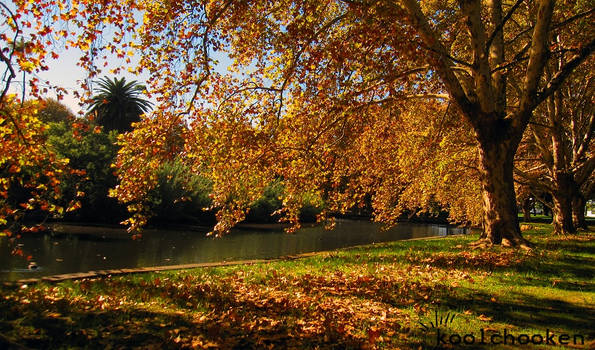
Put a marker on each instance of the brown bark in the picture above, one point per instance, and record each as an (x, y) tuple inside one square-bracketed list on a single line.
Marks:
[(578, 212), (527, 205), (501, 224), (483, 103), (496, 52), (562, 215), (547, 211), (563, 183)]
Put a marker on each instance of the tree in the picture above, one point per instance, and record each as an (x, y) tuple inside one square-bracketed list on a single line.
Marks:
[(117, 104), (31, 171), (93, 152), (53, 110), (556, 156), (498, 117), (320, 70), (308, 76), (579, 203)]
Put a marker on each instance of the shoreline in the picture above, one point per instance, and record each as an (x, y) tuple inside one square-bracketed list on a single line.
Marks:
[(99, 229), (180, 267), (367, 296)]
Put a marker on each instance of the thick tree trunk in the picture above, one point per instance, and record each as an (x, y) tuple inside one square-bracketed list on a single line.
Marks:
[(527, 204), (562, 215), (578, 212), (501, 224)]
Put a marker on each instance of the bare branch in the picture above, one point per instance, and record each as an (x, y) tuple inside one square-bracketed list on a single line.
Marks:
[(205, 54), (573, 18), (446, 55), (444, 63), (554, 26), (537, 59), (534, 182), (8, 59), (564, 72), (500, 26)]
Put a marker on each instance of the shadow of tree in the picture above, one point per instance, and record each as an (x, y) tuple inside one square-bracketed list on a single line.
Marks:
[(559, 270), (142, 329), (573, 246), (230, 321), (528, 312), (230, 311)]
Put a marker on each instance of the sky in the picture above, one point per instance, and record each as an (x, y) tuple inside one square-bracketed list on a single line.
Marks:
[(65, 73)]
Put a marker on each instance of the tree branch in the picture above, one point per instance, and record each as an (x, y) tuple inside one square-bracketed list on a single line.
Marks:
[(573, 18), (481, 65), (8, 59), (531, 181), (537, 59), (586, 140), (205, 53), (443, 65), (563, 73), (501, 24)]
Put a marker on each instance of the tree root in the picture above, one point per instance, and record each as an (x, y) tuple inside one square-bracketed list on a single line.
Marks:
[(522, 244), (484, 243)]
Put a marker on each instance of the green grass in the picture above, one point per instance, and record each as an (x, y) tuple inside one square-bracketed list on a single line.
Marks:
[(365, 297), (536, 216)]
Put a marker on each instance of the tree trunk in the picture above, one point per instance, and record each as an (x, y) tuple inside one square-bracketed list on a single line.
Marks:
[(562, 196), (501, 223), (527, 204), (562, 216), (578, 212)]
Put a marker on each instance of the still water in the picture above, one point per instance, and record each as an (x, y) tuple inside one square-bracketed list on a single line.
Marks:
[(112, 249)]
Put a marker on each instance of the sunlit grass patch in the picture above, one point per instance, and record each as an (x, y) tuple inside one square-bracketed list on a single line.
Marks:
[(368, 296)]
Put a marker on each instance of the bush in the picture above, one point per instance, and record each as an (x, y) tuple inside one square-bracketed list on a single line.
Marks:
[(262, 210), (181, 196), (93, 152)]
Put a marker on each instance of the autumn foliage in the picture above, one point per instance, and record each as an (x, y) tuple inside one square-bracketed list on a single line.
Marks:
[(31, 172), (405, 107)]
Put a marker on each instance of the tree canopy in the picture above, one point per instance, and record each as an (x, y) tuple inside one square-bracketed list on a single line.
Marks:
[(310, 79), (403, 104), (117, 104)]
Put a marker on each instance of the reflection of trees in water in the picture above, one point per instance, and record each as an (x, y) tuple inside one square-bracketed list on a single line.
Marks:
[(80, 253)]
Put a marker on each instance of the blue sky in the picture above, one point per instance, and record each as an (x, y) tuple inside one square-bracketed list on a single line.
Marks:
[(65, 73)]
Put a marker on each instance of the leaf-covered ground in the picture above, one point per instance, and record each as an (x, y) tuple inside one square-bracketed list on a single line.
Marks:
[(375, 296)]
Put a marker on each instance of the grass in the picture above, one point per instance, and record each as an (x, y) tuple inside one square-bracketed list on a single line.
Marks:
[(375, 296)]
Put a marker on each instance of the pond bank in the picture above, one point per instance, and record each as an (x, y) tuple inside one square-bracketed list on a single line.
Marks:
[(116, 272), (80, 249), (375, 296)]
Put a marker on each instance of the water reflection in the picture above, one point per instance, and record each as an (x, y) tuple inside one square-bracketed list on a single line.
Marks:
[(65, 253)]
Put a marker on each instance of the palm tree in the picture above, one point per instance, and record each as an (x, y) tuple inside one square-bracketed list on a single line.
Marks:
[(117, 104)]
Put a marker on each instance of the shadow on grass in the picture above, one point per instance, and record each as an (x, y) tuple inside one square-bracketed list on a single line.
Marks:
[(230, 322), (141, 329), (572, 246), (241, 315), (527, 311), (47, 329)]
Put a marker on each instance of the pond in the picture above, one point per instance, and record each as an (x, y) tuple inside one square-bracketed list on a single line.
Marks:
[(104, 248)]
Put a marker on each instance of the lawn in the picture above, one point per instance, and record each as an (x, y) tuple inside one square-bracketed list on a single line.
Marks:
[(407, 294)]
